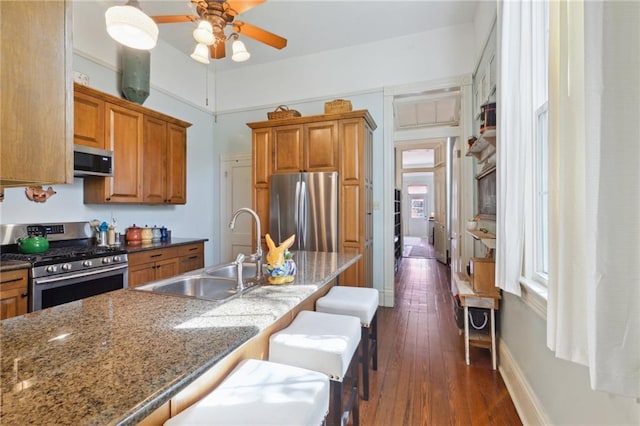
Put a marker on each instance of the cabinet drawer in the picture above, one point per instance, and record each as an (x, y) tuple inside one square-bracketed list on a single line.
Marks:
[(191, 249), (152, 256)]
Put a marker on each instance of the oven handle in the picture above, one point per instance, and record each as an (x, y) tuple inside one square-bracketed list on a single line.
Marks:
[(80, 275)]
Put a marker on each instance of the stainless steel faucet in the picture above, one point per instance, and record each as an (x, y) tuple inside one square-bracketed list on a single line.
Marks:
[(257, 256)]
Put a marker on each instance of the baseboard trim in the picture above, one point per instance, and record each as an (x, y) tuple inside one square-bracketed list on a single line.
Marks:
[(527, 405), (386, 298)]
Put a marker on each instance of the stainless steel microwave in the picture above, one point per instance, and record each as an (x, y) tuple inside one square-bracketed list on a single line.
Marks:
[(89, 161)]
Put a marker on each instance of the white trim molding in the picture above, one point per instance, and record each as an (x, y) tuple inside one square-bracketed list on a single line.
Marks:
[(529, 409)]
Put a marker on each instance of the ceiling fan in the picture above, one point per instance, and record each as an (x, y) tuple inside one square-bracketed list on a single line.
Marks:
[(213, 16)]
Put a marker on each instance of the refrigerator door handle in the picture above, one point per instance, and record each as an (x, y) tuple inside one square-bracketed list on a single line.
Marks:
[(303, 215), (296, 213)]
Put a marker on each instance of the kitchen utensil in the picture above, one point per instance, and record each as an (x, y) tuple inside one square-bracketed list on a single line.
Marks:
[(147, 234), (33, 244), (157, 234), (134, 234)]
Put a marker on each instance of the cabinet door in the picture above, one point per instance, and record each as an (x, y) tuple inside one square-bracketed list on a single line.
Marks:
[(36, 134), (287, 149), (13, 293), (88, 120), (321, 147), (261, 141), (124, 138), (155, 162), (261, 207), (167, 268), (176, 179), (141, 274)]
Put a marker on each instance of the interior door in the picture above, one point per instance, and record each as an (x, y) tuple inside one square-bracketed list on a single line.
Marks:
[(235, 190), (440, 216)]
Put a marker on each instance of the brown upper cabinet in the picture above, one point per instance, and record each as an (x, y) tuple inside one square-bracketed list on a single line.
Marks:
[(339, 142), (311, 147), (36, 144), (149, 150)]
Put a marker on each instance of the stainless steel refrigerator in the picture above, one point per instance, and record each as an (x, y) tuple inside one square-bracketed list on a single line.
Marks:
[(305, 204)]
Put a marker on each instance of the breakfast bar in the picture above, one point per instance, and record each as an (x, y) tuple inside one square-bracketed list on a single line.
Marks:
[(119, 357)]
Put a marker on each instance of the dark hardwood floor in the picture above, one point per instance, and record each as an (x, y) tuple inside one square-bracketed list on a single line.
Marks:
[(422, 378)]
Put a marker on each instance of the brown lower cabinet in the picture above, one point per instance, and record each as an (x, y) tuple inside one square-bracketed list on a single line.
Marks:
[(13, 293), (151, 265)]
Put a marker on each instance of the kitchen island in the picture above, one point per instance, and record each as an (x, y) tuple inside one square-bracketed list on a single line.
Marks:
[(118, 357)]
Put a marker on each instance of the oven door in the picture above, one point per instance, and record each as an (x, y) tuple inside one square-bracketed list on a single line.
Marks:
[(52, 291)]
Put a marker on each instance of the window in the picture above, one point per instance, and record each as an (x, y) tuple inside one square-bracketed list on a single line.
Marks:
[(537, 221), (417, 208)]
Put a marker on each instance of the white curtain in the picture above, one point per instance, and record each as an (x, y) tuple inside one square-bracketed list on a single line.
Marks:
[(515, 133), (594, 217)]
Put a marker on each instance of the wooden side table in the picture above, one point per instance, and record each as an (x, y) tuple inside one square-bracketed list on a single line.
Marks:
[(469, 298)]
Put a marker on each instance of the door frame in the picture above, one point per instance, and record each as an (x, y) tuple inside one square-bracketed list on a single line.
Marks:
[(226, 184), (390, 137)]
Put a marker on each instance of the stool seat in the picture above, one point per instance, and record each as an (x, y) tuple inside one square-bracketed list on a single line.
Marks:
[(361, 302), (262, 393), (317, 341), (357, 301)]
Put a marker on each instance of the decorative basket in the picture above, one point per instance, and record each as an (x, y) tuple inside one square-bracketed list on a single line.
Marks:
[(281, 112), (339, 105)]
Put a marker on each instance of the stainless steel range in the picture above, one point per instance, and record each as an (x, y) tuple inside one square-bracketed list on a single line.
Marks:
[(74, 266)]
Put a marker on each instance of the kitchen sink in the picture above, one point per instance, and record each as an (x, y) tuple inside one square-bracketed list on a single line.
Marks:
[(217, 283), (228, 270), (205, 287)]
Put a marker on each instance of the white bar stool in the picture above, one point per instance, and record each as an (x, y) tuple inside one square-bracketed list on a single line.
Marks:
[(325, 343), (262, 393), (362, 303)]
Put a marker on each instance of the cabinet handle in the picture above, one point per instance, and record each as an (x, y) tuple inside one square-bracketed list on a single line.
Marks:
[(192, 257), (12, 280), (193, 248), (23, 295), (156, 255), (108, 199)]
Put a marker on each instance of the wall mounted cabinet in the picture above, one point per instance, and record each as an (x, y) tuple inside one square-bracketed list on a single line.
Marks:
[(149, 150), (339, 142), (36, 144)]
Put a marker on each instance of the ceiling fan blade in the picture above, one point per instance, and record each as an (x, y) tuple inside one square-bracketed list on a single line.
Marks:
[(243, 5), (169, 19), (259, 34), (217, 51)]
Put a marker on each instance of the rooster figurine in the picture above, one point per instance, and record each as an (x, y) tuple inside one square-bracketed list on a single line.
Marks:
[(280, 264), (37, 194)]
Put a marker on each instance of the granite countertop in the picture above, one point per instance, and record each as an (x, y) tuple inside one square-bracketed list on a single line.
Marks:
[(12, 265), (114, 358)]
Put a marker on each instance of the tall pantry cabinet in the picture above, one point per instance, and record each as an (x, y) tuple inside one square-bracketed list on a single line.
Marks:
[(340, 142)]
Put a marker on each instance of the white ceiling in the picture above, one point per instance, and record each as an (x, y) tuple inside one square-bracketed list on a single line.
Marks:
[(314, 26)]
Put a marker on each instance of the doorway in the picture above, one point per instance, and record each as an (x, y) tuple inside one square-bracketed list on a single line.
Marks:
[(417, 218), (417, 114)]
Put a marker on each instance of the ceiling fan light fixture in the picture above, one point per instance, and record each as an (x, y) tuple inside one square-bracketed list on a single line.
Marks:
[(204, 33), (240, 53), (130, 26), (201, 53)]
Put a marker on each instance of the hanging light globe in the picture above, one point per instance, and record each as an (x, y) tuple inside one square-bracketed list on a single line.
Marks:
[(130, 26)]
